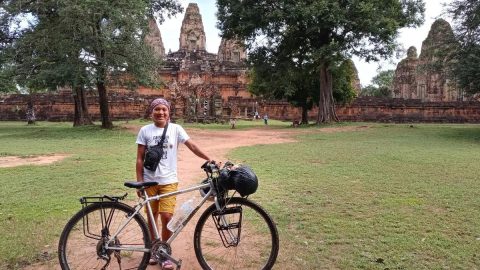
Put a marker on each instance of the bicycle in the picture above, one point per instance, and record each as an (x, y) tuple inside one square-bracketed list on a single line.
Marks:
[(232, 233)]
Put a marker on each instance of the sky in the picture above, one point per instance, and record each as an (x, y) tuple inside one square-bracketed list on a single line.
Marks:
[(170, 30)]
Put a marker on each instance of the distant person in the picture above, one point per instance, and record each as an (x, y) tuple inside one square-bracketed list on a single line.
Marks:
[(233, 122), (256, 116), (265, 119), (164, 170)]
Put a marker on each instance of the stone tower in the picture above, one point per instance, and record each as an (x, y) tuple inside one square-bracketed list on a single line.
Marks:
[(435, 62), (405, 78), (192, 35), (429, 77), (355, 80), (154, 39), (231, 50)]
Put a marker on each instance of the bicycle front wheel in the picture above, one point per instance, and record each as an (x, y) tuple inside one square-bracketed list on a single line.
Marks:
[(241, 236), (83, 241)]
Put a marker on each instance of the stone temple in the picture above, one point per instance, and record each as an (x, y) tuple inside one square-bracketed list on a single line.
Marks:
[(203, 85), (429, 77)]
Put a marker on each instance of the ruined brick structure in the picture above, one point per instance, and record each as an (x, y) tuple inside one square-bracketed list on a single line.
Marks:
[(206, 86), (428, 77), (200, 84), (132, 105)]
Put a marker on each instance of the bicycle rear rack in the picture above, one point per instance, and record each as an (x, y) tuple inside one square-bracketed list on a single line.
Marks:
[(99, 199), (104, 217), (227, 221)]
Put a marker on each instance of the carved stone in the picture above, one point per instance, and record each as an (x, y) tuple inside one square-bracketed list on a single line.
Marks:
[(231, 50), (429, 76), (200, 83), (192, 35), (154, 39), (405, 81)]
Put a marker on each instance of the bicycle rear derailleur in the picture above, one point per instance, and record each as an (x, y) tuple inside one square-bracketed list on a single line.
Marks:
[(162, 251), (105, 254)]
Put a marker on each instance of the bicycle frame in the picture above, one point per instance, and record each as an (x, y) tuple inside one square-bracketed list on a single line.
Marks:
[(147, 201)]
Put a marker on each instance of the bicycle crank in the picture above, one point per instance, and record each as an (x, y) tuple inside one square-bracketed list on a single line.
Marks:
[(162, 251)]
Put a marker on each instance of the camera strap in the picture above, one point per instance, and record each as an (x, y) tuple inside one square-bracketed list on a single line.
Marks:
[(163, 135)]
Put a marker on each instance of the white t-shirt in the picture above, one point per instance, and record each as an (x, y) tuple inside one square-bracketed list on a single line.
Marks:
[(150, 135)]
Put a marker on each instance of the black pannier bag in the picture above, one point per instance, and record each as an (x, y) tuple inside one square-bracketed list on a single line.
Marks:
[(241, 178)]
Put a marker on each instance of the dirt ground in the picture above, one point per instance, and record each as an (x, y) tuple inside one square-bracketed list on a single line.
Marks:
[(12, 161), (216, 144)]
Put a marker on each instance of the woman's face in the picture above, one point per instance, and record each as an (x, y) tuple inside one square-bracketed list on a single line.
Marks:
[(160, 115)]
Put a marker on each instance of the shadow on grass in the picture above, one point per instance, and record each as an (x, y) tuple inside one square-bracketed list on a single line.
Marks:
[(51, 132), (470, 134)]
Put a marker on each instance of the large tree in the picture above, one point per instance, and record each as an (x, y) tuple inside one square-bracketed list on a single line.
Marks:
[(280, 77), (7, 35), (323, 32), (93, 42), (466, 18)]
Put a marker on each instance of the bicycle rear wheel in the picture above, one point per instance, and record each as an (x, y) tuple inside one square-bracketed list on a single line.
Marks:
[(82, 241), (241, 236)]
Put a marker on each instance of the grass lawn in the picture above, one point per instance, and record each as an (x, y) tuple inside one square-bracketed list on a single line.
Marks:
[(384, 197)]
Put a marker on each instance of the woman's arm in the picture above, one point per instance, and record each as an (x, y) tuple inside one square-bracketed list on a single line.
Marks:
[(194, 148), (139, 164)]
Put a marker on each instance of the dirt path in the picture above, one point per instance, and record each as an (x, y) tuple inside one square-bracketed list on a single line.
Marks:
[(13, 161), (216, 144)]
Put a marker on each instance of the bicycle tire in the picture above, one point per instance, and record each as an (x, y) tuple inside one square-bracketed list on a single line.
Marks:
[(77, 251), (258, 239)]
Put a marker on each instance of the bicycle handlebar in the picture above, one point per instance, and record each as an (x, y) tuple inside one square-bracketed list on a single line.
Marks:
[(209, 167)]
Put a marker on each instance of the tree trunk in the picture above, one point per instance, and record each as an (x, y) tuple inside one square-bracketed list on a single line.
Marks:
[(81, 117), (326, 104), (30, 114), (103, 102), (304, 114)]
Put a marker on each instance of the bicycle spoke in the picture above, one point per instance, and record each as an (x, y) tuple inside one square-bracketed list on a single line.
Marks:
[(77, 251), (256, 248)]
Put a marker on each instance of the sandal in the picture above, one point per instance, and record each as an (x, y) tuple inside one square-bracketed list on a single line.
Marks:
[(152, 262), (167, 265)]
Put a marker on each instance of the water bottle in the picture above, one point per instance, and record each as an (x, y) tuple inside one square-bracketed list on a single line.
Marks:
[(181, 214)]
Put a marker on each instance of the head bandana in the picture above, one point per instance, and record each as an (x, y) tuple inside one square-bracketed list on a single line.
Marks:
[(156, 102)]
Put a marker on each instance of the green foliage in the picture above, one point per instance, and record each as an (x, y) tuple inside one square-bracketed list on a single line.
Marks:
[(87, 44), (467, 69), (382, 85), (7, 85), (388, 192), (465, 14), (282, 77), (321, 33), (344, 77), (80, 43), (384, 197)]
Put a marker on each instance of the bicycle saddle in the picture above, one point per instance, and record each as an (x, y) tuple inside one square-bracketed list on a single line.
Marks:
[(137, 185)]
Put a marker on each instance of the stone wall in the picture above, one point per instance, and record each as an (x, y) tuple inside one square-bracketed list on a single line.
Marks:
[(131, 105), (60, 107), (410, 110)]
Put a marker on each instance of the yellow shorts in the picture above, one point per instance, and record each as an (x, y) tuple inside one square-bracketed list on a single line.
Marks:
[(166, 204)]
